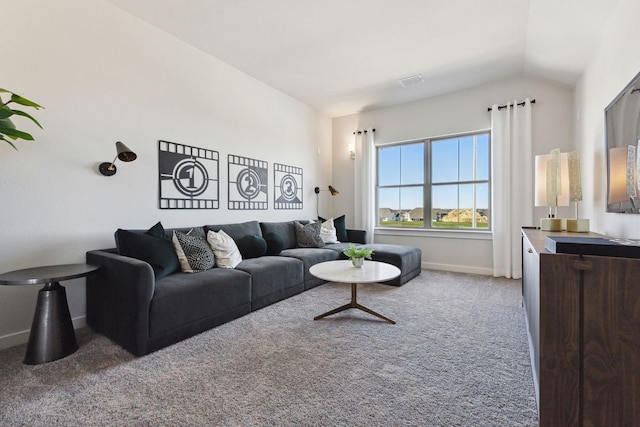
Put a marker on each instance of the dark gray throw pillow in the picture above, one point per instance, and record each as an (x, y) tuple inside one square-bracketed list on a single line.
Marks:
[(151, 247), (275, 243), (308, 236), (252, 246)]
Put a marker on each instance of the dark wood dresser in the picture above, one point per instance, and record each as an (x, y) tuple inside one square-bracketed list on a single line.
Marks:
[(583, 323)]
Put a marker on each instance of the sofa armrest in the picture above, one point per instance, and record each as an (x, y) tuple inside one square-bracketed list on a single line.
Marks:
[(357, 236), (118, 298)]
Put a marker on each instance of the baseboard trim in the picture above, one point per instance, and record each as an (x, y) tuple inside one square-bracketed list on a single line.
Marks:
[(457, 268), (21, 337)]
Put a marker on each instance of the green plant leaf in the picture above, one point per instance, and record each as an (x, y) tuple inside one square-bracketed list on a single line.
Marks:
[(23, 114), (24, 101), (15, 134), (8, 142), (5, 112), (7, 123)]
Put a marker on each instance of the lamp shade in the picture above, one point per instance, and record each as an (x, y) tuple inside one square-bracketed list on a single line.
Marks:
[(124, 153), (552, 180), (575, 184)]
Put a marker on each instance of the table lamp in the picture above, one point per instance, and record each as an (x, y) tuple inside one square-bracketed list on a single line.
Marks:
[(549, 186)]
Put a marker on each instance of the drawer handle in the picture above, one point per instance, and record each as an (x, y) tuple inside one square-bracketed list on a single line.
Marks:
[(530, 250), (582, 265)]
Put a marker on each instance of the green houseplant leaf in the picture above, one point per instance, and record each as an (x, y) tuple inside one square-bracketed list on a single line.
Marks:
[(357, 252), (7, 127)]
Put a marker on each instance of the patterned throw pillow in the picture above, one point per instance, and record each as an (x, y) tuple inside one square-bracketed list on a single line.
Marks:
[(194, 254), (224, 248), (308, 236)]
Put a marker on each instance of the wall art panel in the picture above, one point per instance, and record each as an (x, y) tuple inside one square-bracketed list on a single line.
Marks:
[(188, 177), (248, 180), (288, 187)]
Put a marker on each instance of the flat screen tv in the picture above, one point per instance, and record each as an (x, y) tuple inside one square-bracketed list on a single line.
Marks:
[(622, 139)]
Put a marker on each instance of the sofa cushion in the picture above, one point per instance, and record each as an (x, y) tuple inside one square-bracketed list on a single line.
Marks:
[(310, 257), (286, 230), (252, 246), (184, 298), (341, 227), (275, 244), (224, 248), (408, 259), (272, 275), (150, 246), (308, 236), (237, 230), (194, 253)]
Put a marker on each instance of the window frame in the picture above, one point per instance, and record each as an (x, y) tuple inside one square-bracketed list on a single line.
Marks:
[(428, 184)]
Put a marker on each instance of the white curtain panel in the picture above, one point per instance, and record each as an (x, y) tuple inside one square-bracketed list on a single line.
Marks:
[(364, 183), (512, 182)]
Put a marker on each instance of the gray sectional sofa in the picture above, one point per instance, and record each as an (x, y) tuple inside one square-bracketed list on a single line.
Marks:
[(133, 304)]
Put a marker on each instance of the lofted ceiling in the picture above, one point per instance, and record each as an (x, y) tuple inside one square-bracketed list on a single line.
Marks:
[(346, 56)]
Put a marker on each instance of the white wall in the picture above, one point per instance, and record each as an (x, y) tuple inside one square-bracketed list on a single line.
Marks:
[(104, 76), (452, 113), (611, 68)]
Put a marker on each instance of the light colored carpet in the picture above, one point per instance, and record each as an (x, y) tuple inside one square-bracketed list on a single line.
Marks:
[(458, 356)]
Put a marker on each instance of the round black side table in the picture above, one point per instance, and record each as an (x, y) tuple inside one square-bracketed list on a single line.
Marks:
[(52, 336)]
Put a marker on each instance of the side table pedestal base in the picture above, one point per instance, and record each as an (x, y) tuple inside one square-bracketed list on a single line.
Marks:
[(52, 336)]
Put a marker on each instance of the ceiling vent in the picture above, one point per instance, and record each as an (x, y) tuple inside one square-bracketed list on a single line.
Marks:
[(413, 80)]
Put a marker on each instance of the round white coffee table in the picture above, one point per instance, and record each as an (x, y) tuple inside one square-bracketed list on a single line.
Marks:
[(345, 272)]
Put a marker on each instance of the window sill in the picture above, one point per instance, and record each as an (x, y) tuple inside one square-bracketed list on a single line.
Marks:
[(438, 234)]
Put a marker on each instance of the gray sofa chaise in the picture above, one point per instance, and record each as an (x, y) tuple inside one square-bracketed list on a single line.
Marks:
[(133, 304)]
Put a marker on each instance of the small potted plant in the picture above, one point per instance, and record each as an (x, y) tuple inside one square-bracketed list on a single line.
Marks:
[(357, 254)]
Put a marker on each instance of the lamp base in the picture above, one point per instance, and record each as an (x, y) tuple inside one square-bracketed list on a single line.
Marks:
[(107, 169), (577, 225), (551, 224)]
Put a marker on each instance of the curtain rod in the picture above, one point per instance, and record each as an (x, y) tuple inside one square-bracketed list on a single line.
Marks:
[(500, 107), (361, 131)]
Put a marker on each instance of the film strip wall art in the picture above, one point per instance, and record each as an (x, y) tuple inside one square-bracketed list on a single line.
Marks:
[(248, 181), (288, 187), (188, 177)]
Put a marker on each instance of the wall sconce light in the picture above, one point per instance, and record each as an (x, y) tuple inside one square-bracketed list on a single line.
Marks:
[(330, 189), (352, 151), (123, 153), (622, 175), (552, 187)]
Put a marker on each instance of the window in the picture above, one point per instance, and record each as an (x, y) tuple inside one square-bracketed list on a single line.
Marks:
[(448, 178)]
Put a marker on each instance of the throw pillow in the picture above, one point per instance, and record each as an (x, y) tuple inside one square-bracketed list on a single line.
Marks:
[(157, 251), (252, 246), (224, 248), (275, 243), (328, 232), (193, 252), (341, 228), (308, 236)]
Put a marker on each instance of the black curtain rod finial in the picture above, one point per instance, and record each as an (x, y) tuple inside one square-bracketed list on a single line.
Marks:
[(502, 107), (360, 132)]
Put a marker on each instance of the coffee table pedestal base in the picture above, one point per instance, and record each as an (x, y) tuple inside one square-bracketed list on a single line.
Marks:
[(354, 304)]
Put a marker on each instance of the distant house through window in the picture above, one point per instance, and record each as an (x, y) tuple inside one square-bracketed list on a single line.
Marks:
[(448, 178)]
